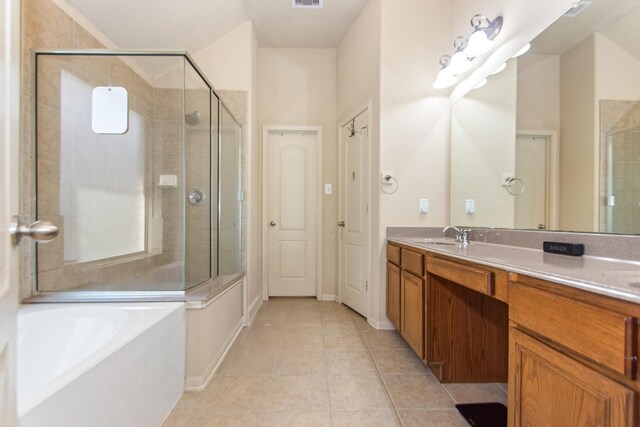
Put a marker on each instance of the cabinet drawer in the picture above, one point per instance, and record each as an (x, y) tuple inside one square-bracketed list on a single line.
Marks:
[(393, 253), (412, 261), (606, 337), (473, 278)]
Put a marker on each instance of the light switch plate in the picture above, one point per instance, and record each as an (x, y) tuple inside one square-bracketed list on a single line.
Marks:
[(470, 206), (424, 206), (328, 189)]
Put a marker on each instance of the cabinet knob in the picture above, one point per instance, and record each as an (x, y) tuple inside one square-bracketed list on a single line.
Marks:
[(341, 224)]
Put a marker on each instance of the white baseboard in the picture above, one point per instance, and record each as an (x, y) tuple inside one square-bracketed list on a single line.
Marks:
[(200, 382), (328, 297), (253, 310), (381, 324)]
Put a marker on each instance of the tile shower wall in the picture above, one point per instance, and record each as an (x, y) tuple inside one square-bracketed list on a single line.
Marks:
[(620, 166), (156, 120)]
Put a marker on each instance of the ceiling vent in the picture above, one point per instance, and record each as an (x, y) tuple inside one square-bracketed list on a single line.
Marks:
[(307, 4), (578, 8)]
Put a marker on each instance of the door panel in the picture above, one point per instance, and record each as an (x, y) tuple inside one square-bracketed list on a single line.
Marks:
[(354, 183), (412, 311), (393, 294), (9, 134), (531, 159), (292, 204)]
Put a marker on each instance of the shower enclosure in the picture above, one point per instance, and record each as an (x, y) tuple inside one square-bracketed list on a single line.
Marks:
[(138, 163), (620, 166)]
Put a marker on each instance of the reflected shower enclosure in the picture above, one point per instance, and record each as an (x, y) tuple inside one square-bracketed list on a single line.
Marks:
[(620, 167), (138, 210)]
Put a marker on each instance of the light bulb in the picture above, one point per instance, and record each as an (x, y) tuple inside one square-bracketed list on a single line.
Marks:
[(444, 80), (459, 64), (478, 44), (499, 69), (481, 84), (522, 51)]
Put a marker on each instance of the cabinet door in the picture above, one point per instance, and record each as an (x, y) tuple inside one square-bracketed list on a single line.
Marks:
[(393, 294), (412, 311), (548, 388)]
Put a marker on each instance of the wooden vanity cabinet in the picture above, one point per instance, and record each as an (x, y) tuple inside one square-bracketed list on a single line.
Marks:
[(572, 355), (412, 311), (393, 294), (466, 324), (406, 295)]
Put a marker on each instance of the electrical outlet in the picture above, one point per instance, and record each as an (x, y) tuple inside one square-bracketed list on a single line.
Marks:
[(424, 206), (470, 206)]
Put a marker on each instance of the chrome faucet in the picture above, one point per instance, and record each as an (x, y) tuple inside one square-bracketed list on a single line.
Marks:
[(462, 234)]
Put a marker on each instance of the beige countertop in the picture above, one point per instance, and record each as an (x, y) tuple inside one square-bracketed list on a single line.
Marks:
[(611, 277)]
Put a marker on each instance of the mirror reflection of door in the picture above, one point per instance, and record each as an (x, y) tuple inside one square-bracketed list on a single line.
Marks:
[(531, 168)]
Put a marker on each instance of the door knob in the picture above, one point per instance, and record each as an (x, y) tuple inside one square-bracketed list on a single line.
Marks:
[(272, 223), (40, 231), (341, 224)]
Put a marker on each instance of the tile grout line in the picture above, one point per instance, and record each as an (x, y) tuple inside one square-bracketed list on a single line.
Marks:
[(395, 408)]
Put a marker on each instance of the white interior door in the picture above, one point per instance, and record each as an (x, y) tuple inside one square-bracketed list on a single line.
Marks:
[(531, 168), (9, 125), (292, 194), (354, 215)]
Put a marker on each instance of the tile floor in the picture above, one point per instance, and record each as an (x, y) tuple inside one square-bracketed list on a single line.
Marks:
[(310, 363)]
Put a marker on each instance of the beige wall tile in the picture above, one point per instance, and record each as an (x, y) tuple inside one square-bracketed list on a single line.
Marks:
[(47, 25), (56, 280)]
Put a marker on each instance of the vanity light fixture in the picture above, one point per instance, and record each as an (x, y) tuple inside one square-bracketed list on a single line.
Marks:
[(459, 63), (445, 78), (481, 84), (484, 31), (499, 69), (522, 51)]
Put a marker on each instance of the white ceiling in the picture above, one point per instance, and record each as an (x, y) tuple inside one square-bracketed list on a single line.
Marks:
[(193, 24), (616, 19), (163, 24), (279, 25)]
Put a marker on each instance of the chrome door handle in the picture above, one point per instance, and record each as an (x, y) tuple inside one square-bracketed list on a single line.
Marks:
[(273, 223), (40, 231), (341, 224)]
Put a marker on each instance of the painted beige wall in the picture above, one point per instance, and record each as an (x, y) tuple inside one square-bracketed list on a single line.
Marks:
[(414, 122), (231, 63), (298, 87), (483, 130), (538, 103), (577, 152)]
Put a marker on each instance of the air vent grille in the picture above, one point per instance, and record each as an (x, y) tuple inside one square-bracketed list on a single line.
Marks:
[(578, 8), (307, 4)]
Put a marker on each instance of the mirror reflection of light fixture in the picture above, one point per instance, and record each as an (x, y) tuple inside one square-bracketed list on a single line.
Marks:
[(481, 84), (445, 78), (484, 31), (522, 51), (499, 69), (459, 63)]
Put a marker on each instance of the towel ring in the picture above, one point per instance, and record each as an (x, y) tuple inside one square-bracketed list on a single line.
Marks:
[(509, 182)]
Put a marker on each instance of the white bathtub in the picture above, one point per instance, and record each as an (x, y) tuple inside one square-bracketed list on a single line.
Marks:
[(100, 364)]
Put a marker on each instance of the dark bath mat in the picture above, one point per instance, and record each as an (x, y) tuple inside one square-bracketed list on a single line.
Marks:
[(484, 414)]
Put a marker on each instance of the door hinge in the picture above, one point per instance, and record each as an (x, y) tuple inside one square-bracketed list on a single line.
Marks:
[(366, 208), (366, 285), (366, 130)]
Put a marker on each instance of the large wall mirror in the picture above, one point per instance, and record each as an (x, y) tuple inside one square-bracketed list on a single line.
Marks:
[(553, 140)]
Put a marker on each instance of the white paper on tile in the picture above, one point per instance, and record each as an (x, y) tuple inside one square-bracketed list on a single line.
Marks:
[(109, 110)]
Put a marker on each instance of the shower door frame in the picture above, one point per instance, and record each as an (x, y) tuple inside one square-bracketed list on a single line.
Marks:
[(126, 296)]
